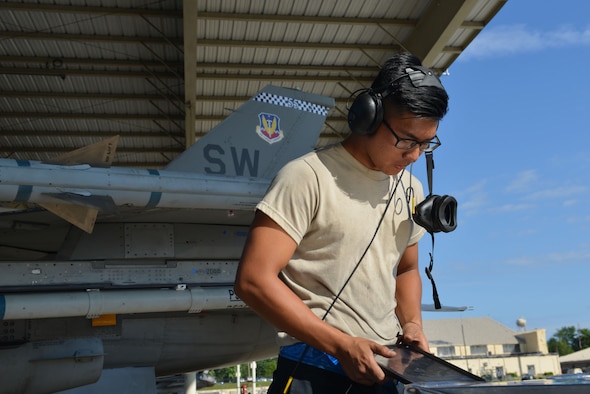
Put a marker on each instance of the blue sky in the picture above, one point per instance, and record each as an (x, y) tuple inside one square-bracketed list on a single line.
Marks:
[(515, 156)]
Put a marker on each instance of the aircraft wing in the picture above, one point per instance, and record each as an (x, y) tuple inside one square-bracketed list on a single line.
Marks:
[(445, 308)]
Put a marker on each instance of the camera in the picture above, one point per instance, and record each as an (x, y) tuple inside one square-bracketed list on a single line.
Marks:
[(437, 213)]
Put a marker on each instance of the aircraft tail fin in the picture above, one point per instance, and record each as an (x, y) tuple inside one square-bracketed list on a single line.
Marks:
[(272, 128)]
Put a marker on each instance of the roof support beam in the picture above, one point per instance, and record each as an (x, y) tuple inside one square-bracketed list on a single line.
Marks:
[(64, 149), (79, 115), (64, 73), (299, 19), (437, 25), (189, 9), (163, 13), (72, 9), (85, 38), (96, 96), (328, 46), (49, 63), (99, 135)]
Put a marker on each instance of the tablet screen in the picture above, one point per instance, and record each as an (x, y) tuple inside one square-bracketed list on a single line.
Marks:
[(412, 365)]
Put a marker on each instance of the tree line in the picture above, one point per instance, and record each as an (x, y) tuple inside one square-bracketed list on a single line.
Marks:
[(264, 369), (569, 340)]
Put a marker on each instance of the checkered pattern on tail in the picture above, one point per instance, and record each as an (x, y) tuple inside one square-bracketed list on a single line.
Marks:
[(291, 103)]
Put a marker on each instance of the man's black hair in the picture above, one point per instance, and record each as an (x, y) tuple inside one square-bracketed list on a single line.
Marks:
[(424, 101)]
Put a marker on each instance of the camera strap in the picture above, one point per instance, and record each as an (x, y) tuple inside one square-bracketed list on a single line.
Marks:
[(429, 167), (428, 271)]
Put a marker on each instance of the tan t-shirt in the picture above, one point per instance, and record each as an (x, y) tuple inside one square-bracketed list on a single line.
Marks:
[(331, 204)]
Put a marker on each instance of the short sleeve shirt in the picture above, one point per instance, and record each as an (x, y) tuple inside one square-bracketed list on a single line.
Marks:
[(351, 225)]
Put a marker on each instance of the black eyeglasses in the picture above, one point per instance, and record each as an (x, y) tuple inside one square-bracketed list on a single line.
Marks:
[(408, 143)]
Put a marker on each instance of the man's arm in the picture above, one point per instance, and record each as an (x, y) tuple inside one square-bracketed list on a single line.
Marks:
[(408, 294), (267, 251)]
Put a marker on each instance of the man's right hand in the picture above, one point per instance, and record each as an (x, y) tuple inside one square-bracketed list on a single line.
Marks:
[(357, 359)]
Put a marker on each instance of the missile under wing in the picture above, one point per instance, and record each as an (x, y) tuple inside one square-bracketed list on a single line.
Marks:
[(106, 270)]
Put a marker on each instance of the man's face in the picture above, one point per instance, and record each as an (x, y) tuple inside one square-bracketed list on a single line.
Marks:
[(381, 150)]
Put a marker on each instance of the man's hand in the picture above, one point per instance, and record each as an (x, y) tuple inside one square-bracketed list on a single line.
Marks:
[(357, 359), (412, 333)]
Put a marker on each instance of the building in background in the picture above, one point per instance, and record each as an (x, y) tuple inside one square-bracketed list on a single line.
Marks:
[(491, 350), (576, 362)]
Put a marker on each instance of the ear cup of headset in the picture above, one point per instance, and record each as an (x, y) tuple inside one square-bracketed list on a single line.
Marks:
[(437, 213), (365, 114)]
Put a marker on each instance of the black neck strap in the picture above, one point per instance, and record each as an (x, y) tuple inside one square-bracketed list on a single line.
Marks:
[(428, 271), (429, 168)]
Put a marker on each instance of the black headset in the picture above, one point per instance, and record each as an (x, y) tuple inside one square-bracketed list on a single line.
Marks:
[(365, 114), (435, 213)]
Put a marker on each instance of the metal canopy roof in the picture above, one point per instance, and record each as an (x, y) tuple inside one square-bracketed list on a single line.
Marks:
[(71, 75)]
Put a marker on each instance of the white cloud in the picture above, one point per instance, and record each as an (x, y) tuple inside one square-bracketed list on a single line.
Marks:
[(527, 232), (570, 203), (522, 260), (534, 187), (523, 182), (578, 219), (509, 39), (474, 198), (560, 192), (573, 257), (509, 208)]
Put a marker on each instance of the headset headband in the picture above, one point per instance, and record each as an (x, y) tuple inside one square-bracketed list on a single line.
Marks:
[(366, 112), (419, 76)]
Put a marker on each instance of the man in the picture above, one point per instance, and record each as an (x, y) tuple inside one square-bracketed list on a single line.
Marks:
[(331, 259)]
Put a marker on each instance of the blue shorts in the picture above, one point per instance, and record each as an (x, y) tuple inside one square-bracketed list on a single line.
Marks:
[(317, 373)]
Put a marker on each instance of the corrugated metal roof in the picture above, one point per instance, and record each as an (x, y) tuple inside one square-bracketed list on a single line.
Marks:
[(467, 332), (71, 75)]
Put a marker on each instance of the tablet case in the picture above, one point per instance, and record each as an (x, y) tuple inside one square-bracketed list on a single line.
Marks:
[(413, 365)]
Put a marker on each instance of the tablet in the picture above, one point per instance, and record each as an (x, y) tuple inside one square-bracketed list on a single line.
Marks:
[(413, 365)]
